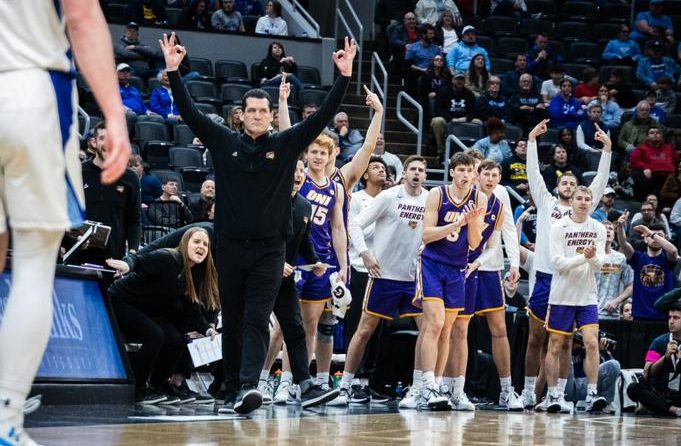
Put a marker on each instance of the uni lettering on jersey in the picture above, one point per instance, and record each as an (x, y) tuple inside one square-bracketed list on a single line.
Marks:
[(318, 198)]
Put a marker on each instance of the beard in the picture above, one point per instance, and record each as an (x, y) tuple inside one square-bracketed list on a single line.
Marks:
[(564, 196)]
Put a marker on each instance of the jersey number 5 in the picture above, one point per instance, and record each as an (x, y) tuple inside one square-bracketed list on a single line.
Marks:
[(319, 214)]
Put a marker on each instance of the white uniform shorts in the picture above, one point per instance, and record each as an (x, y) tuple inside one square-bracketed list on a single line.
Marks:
[(41, 185)]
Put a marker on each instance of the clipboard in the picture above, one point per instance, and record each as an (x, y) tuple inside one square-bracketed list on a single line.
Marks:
[(90, 231)]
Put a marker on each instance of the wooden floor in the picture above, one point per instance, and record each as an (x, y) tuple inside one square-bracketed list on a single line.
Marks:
[(340, 428)]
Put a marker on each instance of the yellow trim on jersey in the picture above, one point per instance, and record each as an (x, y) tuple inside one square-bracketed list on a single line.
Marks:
[(453, 310), (321, 186), (410, 315), (433, 299), (465, 316), (439, 206), (367, 292), (587, 325), (535, 317), (311, 301), (338, 172), (499, 214), (560, 332), (378, 315), (489, 310), (465, 199)]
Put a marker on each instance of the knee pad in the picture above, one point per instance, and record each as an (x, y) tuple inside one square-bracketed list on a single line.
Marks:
[(325, 332)]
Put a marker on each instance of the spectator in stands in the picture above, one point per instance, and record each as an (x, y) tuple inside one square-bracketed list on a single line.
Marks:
[(445, 34), (429, 11), (249, 7), (516, 9), (135, 108), (436, 77), (150, 185), (666, 98), (185, 68), (646, 20), (272, 23), (492, 104), (526, 106), (560, 165), (196, 16), (161, 300), (228, 18), (147, 12), (585, 134), (139, 56), (607, 205), (200, 206), (540, 57), (169, 210), (671, 189), (587, 90), (476, 80), (622, 50), (390, 12), (651, 162), (515, 168), (567, 139), (401, 36), (391, 160), (513, 299), (116, 205), (653, 268), (656, 112), (459, 58), (615, 279), (494, 147), (564, 109), (236, 118), (419, 56), (654, 65), (308, 109), (525, 216), (161, 101), (620, 90), (550, 88), (625, 312), (453, 103), (656, 216), (635, 131), (274, 64), (611, 114), (510, 81), (350, 140)]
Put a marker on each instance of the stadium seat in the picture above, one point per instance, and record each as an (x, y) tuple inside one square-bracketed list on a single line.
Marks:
[(173, 15), (249, 23), (486, 42), (274, 93), (575, 69), (180, 157), (547, 8), (115, 12), (255, 68), (231, 71), (151, 233), (313, 97), (152, 84), (500, 66), (572, 31), (513, 133), (501, 26), (557, 47), (674, 120), (532, 27), (233, 93), (182, 134), (206, 107), (150, 131), (627, 72), (193, 177), (156, 154), (467, 132), (511, 46), (616, 12), (201, 89), (585, 52), (604, 32), (551, 136), (309, 76), (202, 66), (579, 10), (208, 164), (138, 83)]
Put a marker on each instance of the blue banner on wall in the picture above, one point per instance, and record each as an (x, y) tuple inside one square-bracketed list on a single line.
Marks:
[(82, 343)]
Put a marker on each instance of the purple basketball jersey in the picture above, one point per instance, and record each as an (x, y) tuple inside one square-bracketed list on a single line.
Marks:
[(323, 200), (495, 209), (453, 249)]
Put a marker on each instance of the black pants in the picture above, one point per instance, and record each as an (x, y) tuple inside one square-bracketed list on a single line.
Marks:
[(162, 344), (642, 393), (287, 311), (644, 186), (367, 365), (250, 273)]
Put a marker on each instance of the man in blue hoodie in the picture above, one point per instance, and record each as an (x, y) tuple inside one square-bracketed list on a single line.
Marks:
[(459, 58), (654, 65), (564, 109)]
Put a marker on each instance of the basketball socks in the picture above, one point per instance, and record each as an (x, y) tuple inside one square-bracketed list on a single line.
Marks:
[(264, 375), (505, 383), (323, 378), (530, 384), (591, 389), (286, 376), (448, 381), (416, 377), (428, 379), (562, 382), (346, 381), (458, 384)]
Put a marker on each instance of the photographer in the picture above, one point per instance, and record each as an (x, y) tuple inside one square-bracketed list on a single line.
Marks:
[(608, 370), (659, 389)]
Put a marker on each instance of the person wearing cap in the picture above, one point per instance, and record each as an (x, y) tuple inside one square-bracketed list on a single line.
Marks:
[(147, 12), (646, 20), (607, 205), (135, 108), (144, 60), (453, 103), (459, 58), (565, 110), (656, 112), (428, 11), (622, 50), (540, 57), (585, 135), (653, 66), (651, 162)]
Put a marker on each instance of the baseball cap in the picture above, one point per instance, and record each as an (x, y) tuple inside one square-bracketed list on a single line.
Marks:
[(459, 74), (655, 45), (609, 191), (468, 29), (123, 67), (132, 25)]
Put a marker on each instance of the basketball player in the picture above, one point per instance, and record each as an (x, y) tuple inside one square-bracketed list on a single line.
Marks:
[(398, 217), (42, 192), (577, 253), (453, 223), (549, 210), (484, 294)]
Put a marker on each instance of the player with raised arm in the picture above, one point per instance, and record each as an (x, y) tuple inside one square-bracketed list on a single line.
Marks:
[(549, 210), (43, 193)]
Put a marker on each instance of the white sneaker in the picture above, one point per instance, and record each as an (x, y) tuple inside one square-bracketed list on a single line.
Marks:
[(609, 409), (511, 400), (265, 388), (541, 407), (528, 398), (342, 400), (461, 402), (409, 400), (566, 406), (553, 403), (294, 395), (12, 432), (595, 402), (282, 392), (431, 399)]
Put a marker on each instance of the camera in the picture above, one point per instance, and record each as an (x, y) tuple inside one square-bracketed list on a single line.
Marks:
[(611, 342)]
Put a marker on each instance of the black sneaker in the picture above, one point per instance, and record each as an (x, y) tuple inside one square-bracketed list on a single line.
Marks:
[(249, 399), (359, 394), (150, 397), (203, 398), (182, 392), (315, 396), (376, 397), (228, 406)]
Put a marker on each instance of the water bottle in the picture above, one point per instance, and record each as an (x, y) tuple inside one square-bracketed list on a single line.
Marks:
[(398, 390), (277, 381), (337, 377)]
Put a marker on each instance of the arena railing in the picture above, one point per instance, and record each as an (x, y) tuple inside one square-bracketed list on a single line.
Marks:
[(358, 36), (302, 12), (448, 154), (380, 89), (86, 123)]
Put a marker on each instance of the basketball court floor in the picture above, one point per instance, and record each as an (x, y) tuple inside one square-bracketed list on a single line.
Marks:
[(103, 425)]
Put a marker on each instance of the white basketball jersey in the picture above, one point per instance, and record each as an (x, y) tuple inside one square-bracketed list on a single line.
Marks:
[(32, 36)]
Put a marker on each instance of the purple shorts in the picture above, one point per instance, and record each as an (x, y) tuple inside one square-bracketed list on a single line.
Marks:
[(490, 292), (439, 281), (471, 295), (562, 318), (386, 298), (539, 301), (313, 289)]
